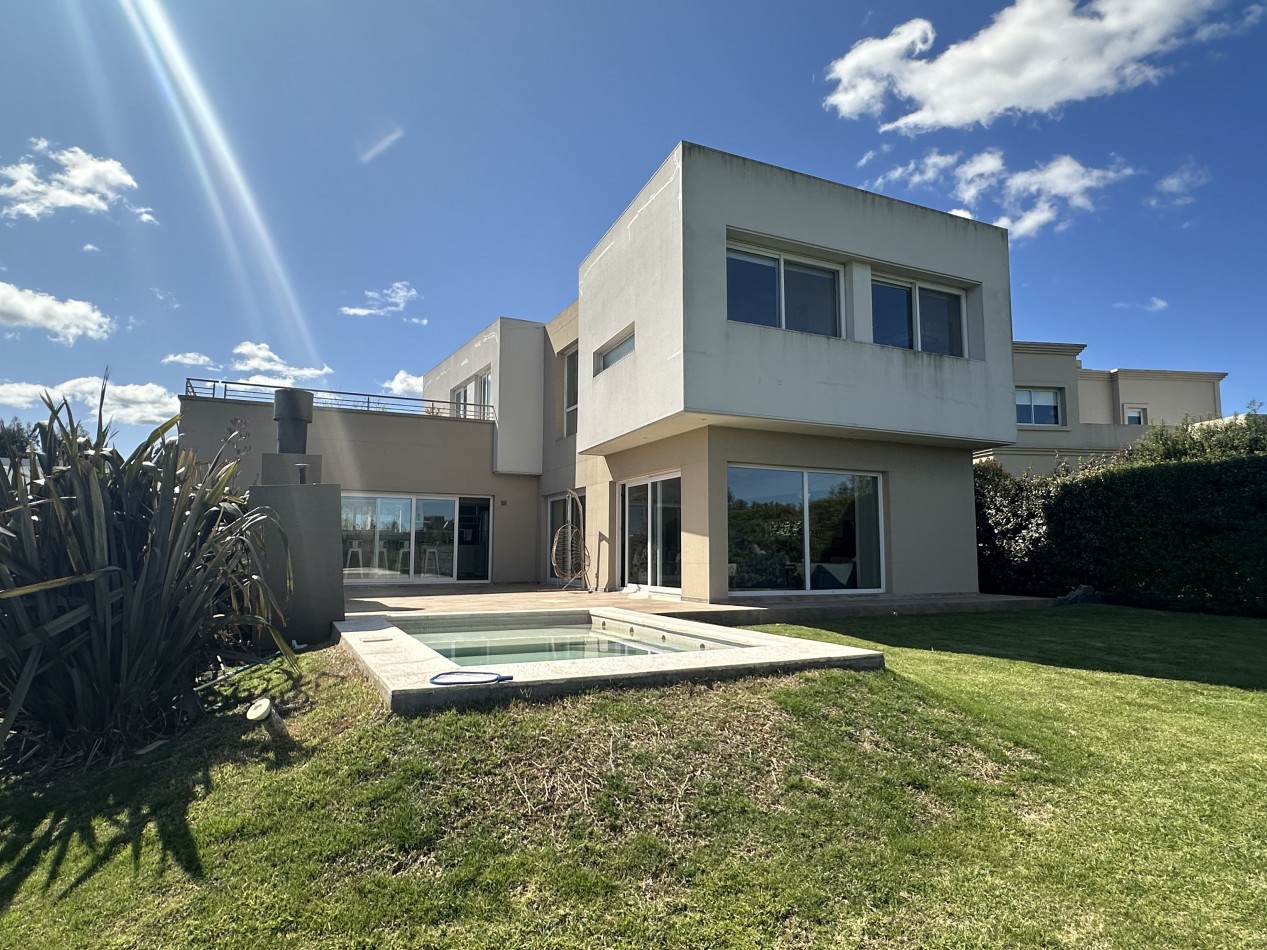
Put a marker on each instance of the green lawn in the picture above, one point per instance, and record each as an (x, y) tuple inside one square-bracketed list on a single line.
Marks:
[(1081, 777)]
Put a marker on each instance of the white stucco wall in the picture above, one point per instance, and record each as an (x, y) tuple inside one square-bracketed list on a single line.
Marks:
[(511, 350), (633, 277), (745, 370), (662, 268)]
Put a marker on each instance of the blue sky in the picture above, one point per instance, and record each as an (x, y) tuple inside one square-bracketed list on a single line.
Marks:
[(337, 195)]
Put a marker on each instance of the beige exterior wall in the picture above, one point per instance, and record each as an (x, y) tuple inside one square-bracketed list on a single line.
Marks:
[(1094, 407), (510, 350), (929, 524), (929, 529), (389, 453)]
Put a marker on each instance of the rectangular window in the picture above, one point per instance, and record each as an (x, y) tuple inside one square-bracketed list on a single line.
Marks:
[(915, 317), (1038, 407), (614, 354), (1136, 416), (570, 391), (484, 387), (459, 403), (775, 291), (798, 530)]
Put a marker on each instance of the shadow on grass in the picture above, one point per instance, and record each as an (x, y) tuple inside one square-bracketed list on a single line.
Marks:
[(67, 826), (1223, 651)]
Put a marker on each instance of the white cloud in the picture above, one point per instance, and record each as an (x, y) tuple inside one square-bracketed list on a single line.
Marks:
[(1034, 57), (382, 145), (66, 320), (1029, 200), (126, 404), (165, 297), (1154, 305), (962, 213), (391, 300), (90, 247), (269, 369), (919, 172), (1064, 177), (1174, 190), (871, 153), (191, 359), (1029, 222), (978, 174), (83, 181), (403, 384), (421, 321), (1250, 17)]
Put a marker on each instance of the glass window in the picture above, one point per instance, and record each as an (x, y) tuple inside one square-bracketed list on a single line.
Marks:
[(891, 316), (940, 322), (1038, 407), (765, 529), (752, 289), (473, 541), (1136, 417), (570, 391), (616, 353), (844, 531), (795, 530), (914, 317), (811, 300)]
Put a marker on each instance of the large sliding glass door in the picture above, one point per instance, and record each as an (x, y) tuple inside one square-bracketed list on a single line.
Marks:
[(793, 530), (419, 538), (651, 531)]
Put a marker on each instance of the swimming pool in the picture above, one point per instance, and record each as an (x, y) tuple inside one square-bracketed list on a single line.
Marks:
[(546, 653)]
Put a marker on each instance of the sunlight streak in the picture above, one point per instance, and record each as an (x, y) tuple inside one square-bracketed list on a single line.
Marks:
[(228, 194)]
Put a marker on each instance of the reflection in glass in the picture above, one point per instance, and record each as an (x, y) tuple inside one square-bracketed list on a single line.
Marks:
[(752, 289), (810, 299), (636, 534), (433, 538), (474, 516), (940, 322), (765, 529), (666, 533), (891, 315)]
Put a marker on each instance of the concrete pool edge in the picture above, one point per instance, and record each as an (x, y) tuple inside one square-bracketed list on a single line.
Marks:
[(400, 666)]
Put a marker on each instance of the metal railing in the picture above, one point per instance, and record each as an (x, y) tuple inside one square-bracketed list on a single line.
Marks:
[(333, 399)]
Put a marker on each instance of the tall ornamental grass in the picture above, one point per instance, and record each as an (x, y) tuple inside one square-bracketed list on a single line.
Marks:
[(118, 577)]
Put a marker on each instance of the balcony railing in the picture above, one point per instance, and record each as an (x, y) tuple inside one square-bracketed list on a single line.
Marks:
[(332, 399)]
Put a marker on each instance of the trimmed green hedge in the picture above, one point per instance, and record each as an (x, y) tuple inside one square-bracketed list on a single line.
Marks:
[(1180, 535)]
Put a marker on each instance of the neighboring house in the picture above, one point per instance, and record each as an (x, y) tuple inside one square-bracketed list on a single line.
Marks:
[(1064, 411), (769, 383)]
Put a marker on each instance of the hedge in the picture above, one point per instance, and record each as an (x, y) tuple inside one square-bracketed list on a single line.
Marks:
[(1177, 535)]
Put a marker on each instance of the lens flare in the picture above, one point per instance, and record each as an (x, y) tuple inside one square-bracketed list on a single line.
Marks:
[(229, 196)]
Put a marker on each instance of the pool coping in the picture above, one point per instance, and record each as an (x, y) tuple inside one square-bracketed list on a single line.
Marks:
[(400, 666)]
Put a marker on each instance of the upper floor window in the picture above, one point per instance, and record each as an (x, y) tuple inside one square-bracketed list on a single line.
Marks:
[(570, 391), (1038, 407), (772, 290), (614, 353), (460, 403), (917, 317), (1135, 415)]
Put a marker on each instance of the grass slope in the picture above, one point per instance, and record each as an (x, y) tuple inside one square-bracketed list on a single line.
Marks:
[(1081, 777)]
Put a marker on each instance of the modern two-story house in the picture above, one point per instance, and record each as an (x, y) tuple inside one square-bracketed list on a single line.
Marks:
[(768, 384)]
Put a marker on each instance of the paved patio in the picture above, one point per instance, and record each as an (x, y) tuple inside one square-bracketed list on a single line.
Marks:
[(748, 611)]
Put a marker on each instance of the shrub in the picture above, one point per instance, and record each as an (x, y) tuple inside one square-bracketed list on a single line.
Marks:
[(115, 574), (1179, 535)]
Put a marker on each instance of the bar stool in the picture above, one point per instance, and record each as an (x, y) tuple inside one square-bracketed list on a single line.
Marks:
[(354, 547), (427, 555)]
